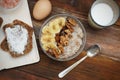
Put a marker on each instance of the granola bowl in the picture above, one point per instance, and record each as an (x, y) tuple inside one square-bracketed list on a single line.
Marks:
[(62, 37)]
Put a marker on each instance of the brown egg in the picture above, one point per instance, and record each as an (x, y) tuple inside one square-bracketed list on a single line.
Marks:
[(42, 9)]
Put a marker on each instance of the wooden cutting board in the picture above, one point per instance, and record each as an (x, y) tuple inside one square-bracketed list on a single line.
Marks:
[(6, 61)]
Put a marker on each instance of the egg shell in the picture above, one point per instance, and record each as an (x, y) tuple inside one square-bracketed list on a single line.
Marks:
[(42, 9)]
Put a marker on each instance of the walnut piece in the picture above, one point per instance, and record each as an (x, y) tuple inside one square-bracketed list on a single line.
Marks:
[(71, 21)]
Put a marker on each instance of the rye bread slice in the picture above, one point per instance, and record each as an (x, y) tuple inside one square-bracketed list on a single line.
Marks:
[(28, 47), (1, 21)]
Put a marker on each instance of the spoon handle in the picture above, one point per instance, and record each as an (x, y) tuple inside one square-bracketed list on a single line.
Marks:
[(67, 70)]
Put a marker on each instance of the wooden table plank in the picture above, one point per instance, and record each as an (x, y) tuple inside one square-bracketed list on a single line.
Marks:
[(96, 68), (18, 75), (101, 67)]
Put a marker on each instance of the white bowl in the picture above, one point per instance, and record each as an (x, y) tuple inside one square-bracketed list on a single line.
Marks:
[(3, 9)]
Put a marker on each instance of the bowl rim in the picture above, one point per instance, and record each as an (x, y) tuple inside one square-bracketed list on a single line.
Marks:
[(81, 47)]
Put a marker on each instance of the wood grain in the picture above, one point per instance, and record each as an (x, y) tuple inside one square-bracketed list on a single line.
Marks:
[(97, 68), (105, 66), (18, 75)]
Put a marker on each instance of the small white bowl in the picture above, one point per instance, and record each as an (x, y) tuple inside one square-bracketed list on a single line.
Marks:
[(3, 9)]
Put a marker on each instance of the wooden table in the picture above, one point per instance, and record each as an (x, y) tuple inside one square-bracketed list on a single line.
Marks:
[(105, 66)]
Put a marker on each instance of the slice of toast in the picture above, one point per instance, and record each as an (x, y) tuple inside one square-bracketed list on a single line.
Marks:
[(28, 47), (1, 21)]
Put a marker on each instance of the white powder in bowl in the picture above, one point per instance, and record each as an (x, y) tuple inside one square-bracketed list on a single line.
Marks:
[(74, 43), (17, 38)]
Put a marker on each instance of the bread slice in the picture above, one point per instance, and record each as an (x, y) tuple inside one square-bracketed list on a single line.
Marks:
[(1, 21), (5, 43)]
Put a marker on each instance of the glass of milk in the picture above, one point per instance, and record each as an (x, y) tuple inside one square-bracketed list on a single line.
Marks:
[(103, 13)]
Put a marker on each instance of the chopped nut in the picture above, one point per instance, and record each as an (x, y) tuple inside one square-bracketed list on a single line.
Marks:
[(68, 32), (69, 26), (72, 21), (57, 38), (61, 48), (63, 40), (54, 52)]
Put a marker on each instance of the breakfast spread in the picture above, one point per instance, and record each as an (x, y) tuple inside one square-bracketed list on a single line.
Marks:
[(18, 39), (61, 37)]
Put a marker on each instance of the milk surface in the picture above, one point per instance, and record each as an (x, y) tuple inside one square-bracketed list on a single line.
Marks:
[(102, 14)]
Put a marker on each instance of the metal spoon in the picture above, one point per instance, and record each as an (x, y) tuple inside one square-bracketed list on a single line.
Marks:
[(91, 52)]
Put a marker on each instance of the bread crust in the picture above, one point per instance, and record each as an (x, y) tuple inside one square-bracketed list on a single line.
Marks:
[(28, 47), (1, 21)]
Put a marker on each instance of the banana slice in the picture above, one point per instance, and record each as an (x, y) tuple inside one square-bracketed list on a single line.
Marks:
[(54, 28), (46, 30), (49, 46), (62, 21), (55, 21), (45, 39)]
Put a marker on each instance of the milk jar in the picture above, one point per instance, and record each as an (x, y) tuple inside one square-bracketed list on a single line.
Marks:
[(103, 13)]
